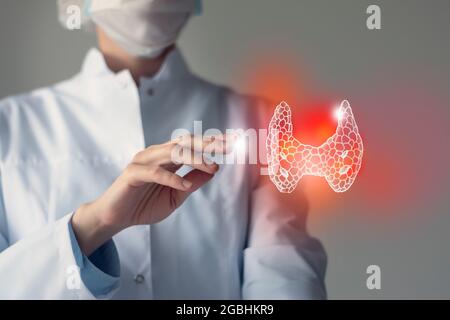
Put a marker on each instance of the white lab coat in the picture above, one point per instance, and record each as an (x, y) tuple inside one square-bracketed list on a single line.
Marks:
[(64, 145)]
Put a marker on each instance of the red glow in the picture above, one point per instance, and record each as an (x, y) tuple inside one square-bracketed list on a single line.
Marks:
[(314, 121), (405, 149), (279, 77), (274, 76)]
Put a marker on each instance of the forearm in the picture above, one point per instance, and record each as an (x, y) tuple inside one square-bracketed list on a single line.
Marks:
[(90, 230)]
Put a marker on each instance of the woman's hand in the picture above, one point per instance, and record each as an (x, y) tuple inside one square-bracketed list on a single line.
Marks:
[(148, 190)]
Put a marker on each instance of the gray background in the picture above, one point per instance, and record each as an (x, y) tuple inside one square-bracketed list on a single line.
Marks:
[(397, 79)]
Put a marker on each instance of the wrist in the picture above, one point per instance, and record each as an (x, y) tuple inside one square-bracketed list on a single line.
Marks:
[(90, 229)]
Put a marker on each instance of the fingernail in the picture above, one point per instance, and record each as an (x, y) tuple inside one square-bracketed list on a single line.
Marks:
[(187, 184)]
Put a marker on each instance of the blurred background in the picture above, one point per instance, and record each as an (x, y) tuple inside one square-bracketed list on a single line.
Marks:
[(313, 54)]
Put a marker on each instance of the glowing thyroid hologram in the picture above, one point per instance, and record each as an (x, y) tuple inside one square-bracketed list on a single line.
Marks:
[(338, 159)]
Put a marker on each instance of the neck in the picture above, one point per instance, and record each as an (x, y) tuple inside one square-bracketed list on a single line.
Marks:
[(118, 59)]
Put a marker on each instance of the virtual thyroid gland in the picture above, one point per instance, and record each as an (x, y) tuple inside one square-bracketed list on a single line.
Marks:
[(338, 160)]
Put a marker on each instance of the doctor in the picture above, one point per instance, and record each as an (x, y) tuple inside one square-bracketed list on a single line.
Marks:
[(90, 205)]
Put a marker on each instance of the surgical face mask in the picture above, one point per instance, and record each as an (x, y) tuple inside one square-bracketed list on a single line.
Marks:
[(143, 28), (141, 34)]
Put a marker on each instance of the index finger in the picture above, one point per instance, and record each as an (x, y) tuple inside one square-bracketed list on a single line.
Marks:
[(218, 144)]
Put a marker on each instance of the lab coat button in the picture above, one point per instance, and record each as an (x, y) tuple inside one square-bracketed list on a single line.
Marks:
[(139, 279)]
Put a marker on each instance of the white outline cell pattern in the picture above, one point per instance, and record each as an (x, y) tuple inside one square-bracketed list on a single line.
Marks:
[(338, 159)]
